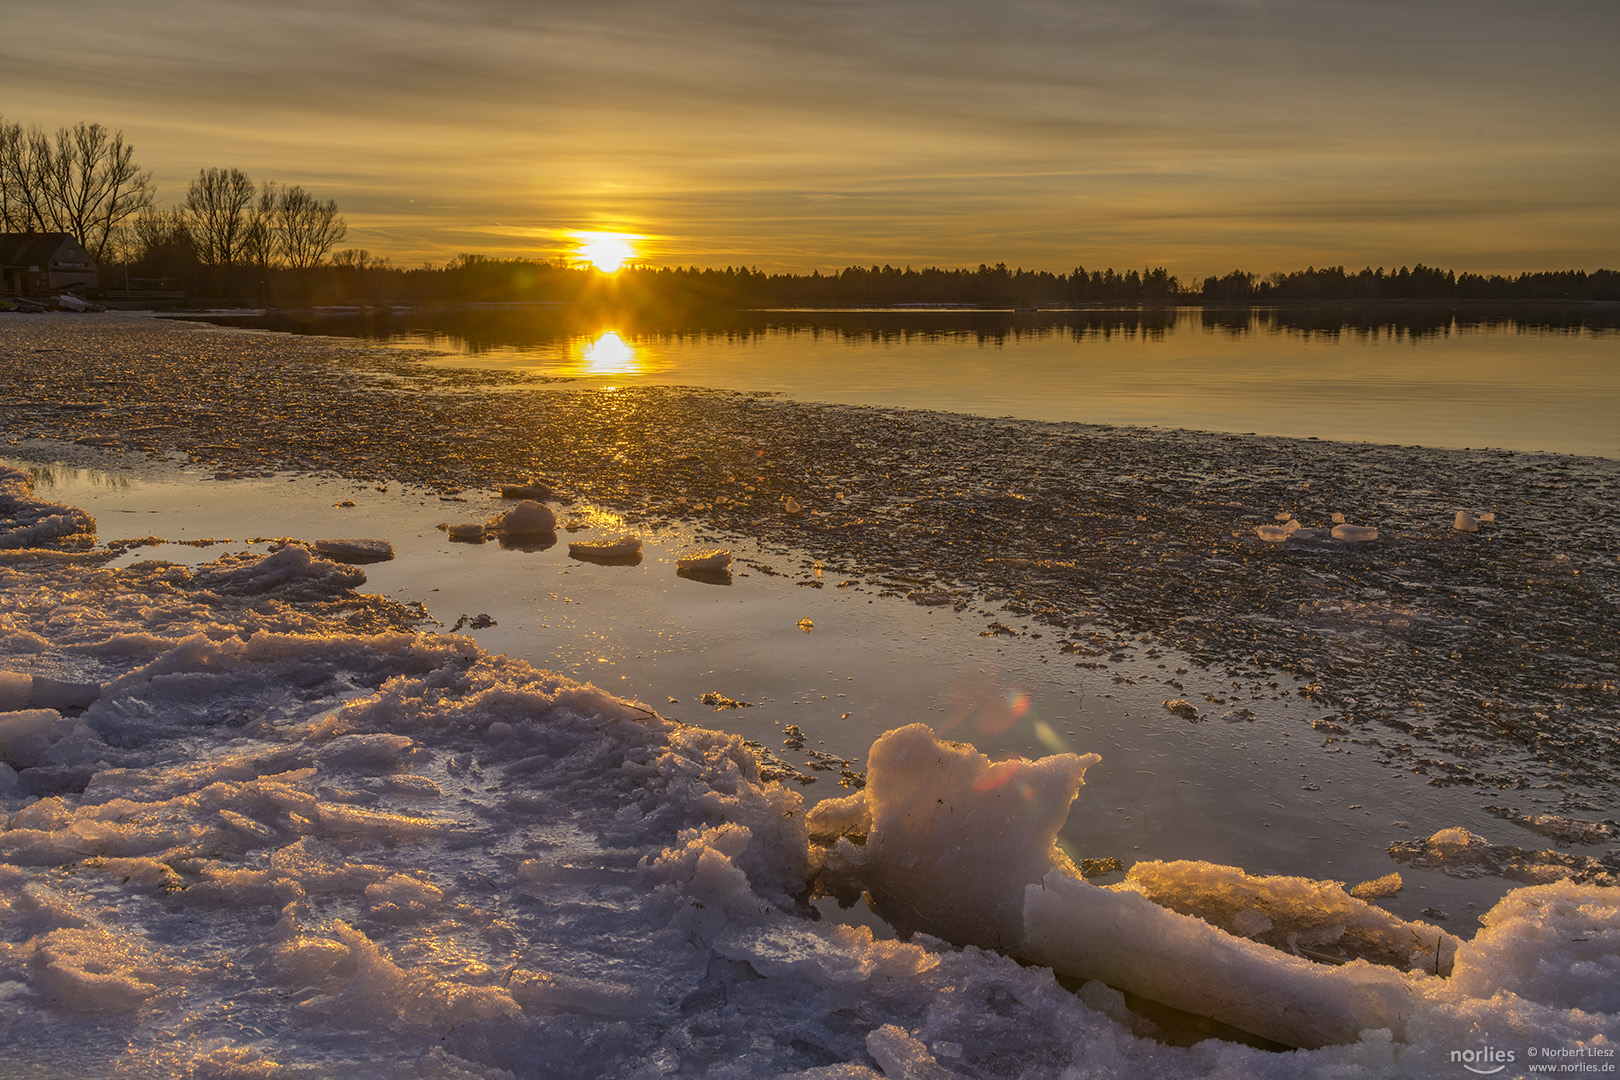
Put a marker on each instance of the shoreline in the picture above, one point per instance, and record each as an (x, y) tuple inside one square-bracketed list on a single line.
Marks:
[(1484, 660), (310, 837)]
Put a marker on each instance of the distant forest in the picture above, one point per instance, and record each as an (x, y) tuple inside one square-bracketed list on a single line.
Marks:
[(236, 240), (353, 279)]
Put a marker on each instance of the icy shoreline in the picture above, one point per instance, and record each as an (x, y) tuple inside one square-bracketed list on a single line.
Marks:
[(247, 841), (1485, 660)]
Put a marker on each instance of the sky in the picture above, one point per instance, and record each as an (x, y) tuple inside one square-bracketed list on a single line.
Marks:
[(1201, 135)]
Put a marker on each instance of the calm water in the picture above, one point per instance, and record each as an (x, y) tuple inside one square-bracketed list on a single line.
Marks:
[(1545, 379)]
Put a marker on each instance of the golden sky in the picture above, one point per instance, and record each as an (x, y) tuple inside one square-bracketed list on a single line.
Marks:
[(1202, 135)]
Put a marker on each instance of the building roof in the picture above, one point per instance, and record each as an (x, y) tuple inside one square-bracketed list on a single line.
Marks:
[(38, 249)]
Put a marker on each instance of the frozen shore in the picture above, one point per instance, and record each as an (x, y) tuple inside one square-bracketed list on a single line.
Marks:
[(242, 840), (1488, 660)]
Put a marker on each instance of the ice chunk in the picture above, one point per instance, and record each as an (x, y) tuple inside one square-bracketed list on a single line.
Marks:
[(527, 518), (901, 1056), (624, 547), (1126, 940), (1465, 522), (1301, 914), (534, 489), (1338, 519), (557, 992), (1354, 533), (1378, 888), (16, 691), (356, 551), (27, 737), (466, 530), (713, 559), (1182, 708), (964, 848), (402, 898), (292, 572), (954, 837), (1277, 534)]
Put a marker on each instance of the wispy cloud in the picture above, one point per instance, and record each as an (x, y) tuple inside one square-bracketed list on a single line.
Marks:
[(807, 133)]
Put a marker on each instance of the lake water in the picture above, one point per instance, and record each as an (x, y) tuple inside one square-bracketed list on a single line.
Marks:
[(1546, 379)]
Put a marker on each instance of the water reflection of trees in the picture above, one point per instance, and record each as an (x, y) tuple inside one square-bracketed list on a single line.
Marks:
[(482, 330)]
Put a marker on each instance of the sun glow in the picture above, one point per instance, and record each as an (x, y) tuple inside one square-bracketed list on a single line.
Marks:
[(606, 251)]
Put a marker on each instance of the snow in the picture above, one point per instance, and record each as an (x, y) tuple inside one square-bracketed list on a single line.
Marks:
[(239, 839)]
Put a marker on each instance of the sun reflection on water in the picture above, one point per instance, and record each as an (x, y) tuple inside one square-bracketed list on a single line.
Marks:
[(610, 354)]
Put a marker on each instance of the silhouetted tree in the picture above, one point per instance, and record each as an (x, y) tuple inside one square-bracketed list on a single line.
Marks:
[(216, 210), (306, 229), (83, 182)]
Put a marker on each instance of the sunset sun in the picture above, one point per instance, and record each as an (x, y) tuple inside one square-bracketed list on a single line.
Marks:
[(607, 252)]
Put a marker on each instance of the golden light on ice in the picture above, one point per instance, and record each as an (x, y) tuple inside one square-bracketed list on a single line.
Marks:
[(606, 251), (610, 355)]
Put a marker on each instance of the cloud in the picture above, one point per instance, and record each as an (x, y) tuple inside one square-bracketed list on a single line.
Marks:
[(935, 129)]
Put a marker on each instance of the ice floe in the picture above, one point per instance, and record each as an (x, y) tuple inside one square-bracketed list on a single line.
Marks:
[(355, 551), (623, 548), (532, 489), (713, 559), (527, 518)]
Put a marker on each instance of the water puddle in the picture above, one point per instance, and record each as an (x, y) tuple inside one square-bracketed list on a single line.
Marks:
[(826, 660)]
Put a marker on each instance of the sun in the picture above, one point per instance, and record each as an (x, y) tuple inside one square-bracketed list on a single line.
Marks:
[(608, 252)]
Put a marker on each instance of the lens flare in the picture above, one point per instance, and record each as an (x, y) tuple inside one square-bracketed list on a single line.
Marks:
[(999, 773)]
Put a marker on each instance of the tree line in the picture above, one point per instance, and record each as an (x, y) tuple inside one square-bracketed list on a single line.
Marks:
[(1335, 285), (229, 236), (473, 278)]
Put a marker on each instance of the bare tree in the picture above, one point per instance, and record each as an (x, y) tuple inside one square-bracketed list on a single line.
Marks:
[(216, 211), (307, 228), (84, 182), (24, 154), (261, 244), (94, 184)]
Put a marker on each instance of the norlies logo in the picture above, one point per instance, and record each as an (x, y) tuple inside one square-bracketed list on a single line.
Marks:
[(1484, 1061)]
